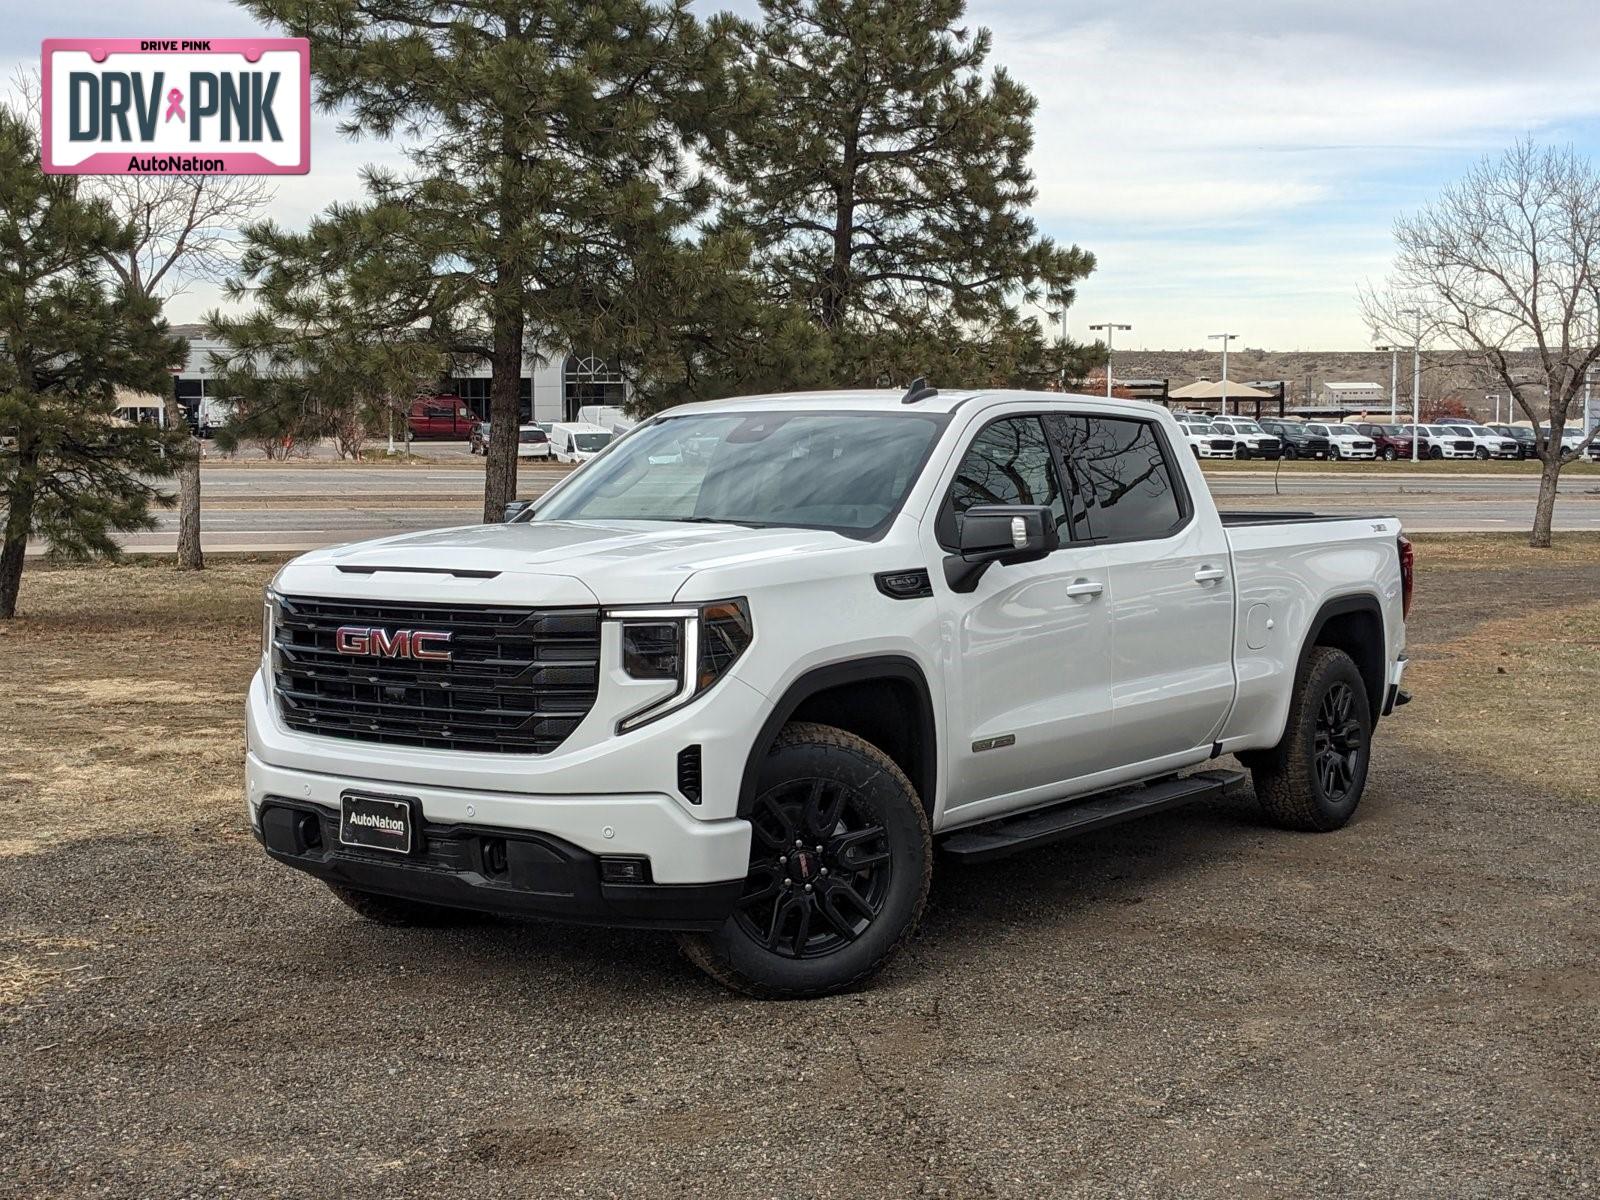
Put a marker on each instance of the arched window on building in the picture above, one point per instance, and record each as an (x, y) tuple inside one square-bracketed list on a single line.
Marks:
[(590, 380)]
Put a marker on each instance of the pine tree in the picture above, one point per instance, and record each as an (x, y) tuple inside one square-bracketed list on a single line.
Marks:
[(69, 472), (884, 183), (547, 146)]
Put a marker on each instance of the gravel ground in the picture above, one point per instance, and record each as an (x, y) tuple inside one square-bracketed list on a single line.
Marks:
[(1194, 1005)]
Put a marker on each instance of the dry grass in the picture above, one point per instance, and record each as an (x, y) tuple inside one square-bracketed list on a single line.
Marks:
[(122, 708), (1474, 551), (1514, 697)]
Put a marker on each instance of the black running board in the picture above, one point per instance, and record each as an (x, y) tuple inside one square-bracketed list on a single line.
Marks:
[(1012, 834)]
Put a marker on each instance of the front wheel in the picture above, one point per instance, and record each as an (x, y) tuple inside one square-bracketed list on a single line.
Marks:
[(1314, 778), (1290, 453), (840, 860), (1482, 455), (1436, 452), (1333, 454), (1389, 454)]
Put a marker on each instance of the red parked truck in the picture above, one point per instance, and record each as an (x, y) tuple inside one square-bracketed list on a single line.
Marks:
[(440, 416)]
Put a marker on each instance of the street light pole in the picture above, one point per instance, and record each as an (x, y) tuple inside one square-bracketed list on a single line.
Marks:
[(1225, 338), (1110, 327), (1416, 386)]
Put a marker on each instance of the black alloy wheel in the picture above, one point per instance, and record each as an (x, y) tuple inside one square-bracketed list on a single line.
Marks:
[(1338, 741), (819, 869), (1314, 778), (841, 856)]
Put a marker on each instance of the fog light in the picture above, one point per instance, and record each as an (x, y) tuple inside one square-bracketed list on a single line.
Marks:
[(624, 870)]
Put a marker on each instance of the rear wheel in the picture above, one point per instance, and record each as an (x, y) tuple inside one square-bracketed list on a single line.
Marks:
[(840, 860), (1314, 778)]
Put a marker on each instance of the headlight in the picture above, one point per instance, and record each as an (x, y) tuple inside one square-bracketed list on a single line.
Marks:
[(692, 644)]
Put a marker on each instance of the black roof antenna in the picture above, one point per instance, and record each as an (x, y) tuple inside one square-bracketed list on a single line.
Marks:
[(919, 390)]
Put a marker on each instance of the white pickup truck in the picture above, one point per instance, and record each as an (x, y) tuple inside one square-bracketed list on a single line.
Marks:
[(740, 675)]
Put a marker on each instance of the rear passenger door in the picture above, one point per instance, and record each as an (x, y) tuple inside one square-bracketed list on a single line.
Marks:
[(1171, 608)]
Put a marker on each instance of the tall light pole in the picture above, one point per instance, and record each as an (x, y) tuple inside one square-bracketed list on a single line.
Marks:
[(1416, 384), (1110, 327), (1226, 338), (1394, 381)]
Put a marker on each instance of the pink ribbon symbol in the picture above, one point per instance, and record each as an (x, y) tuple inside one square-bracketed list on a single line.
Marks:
[(175, 105)]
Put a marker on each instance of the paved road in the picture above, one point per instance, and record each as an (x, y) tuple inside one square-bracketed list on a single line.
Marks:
[(294, 508)]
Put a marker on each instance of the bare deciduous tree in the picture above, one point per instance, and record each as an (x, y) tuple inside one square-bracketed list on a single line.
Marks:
[(1504, 265), (185, 228)]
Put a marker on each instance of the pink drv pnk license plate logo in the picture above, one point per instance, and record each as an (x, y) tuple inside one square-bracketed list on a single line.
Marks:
[(171, 106)]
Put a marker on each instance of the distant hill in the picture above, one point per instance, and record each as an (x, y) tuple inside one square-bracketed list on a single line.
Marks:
[(1305, 371)]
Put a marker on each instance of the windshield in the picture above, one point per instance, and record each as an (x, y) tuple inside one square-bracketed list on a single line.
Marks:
[(1246, 427), (814, 470)]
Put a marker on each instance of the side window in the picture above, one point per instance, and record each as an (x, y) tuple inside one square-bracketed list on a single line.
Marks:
[(1007, 463), (1120, 474)]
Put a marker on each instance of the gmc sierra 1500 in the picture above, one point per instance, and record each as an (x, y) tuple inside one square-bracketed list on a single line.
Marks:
[(737, 676)]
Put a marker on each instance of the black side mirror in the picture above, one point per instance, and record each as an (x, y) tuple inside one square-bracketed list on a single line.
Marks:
[(1000, 533), (515, 509)]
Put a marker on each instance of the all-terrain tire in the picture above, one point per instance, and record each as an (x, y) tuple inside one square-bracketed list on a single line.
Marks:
[(403, 914), (1314, 778), (820, 762)]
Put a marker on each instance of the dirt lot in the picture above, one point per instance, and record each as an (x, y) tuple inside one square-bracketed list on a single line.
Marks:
[(1192, 1006)]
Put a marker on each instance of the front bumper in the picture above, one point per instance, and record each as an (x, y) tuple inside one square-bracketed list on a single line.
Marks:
[(488, 869), (680, 848)]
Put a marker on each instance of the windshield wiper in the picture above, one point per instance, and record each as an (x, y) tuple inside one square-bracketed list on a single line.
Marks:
[(718, 521)]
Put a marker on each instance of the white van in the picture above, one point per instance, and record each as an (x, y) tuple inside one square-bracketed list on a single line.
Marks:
[(578, 441)]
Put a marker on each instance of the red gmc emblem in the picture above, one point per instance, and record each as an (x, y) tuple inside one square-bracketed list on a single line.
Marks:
[(392, 643)]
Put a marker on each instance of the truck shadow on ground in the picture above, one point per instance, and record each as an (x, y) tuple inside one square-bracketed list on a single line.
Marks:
[(1077, 885)]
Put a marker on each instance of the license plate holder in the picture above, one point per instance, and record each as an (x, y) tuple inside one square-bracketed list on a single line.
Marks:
[(375, 822)]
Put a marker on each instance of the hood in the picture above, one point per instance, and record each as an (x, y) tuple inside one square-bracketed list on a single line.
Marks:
[(546, 562)]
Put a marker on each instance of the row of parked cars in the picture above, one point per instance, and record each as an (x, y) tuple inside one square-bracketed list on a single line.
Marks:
[(1211, 436), (559, 441)]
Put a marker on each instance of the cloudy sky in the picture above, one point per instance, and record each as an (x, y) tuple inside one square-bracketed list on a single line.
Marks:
[(1234, 165)]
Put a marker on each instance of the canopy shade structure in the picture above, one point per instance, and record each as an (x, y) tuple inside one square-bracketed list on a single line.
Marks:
[(1213, 389)]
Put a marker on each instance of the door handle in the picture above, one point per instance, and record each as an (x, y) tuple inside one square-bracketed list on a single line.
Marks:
[(1084, 587), (1209, 574)]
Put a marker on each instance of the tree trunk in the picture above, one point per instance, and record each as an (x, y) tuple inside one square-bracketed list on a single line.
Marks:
[(190, 556), (19, 519), (505, 414), (836, 277), (1544, 509)]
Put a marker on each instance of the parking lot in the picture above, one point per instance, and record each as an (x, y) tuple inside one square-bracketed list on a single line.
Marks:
[(1193, 1005)]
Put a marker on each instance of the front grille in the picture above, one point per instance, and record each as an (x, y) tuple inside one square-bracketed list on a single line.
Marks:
[(1268, 444), (1466, 445), (518, 680)]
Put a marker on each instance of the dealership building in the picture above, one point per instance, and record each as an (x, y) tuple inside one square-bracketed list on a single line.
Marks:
[(553, 389)]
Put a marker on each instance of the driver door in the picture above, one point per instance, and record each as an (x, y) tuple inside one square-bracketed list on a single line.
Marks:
[(1028, 651)]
